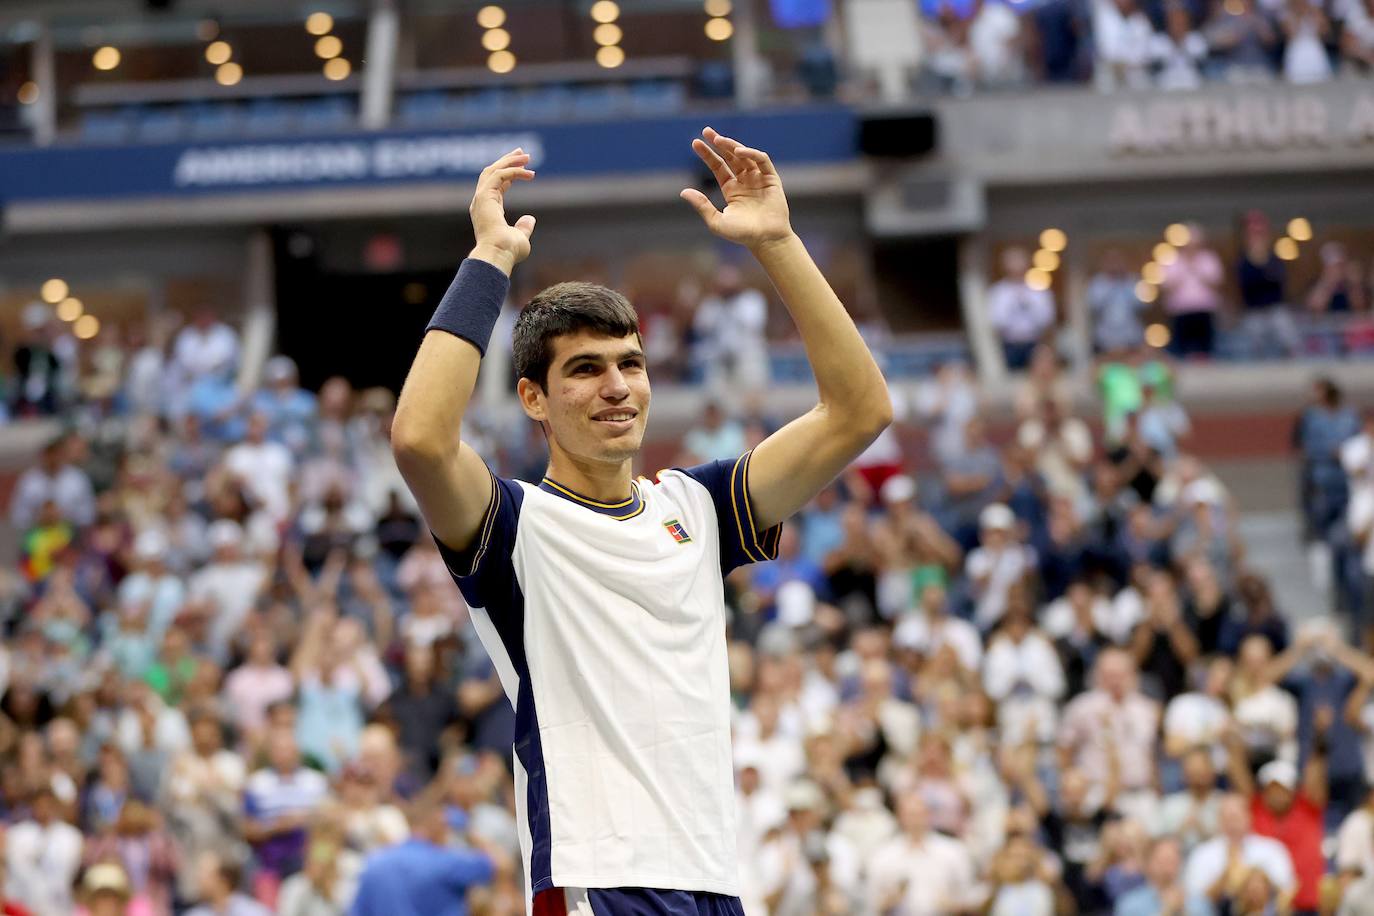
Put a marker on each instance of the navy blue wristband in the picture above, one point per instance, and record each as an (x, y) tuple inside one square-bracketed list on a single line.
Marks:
[(470, 307)]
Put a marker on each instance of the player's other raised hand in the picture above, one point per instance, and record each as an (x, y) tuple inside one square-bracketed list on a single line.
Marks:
[(755, 211), (498, 242)]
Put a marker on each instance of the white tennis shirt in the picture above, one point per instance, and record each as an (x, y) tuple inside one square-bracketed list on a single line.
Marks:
[(606, 624)]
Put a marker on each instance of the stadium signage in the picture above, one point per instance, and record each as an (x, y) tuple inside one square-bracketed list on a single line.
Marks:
[(361, 160), (1250, 121)]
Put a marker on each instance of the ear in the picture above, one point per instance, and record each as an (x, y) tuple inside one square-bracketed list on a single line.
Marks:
[(532, 399)]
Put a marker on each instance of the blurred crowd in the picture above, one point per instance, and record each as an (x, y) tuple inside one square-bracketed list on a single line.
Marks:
[(1140, 44), (1014, 667)]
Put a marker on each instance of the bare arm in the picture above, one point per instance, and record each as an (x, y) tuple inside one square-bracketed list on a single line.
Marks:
[(449, 480), (796, 462)]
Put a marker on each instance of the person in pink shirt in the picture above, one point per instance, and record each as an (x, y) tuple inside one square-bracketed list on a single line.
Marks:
[(1192, 296), (256, 684)]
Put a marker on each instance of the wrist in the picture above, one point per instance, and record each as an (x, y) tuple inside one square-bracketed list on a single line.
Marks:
[(499, 258), (765, 247)]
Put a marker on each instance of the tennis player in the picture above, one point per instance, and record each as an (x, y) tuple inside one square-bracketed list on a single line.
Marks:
[(599, 596)]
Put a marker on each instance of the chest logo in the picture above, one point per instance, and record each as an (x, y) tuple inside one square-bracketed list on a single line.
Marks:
[(678, 532)]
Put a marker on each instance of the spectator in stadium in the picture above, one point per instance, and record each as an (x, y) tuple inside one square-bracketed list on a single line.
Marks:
[(1164, 892), (1115, 307), (1340, 288), (53, 478), (217, 882), (1219, 867), (290, 410), (1357, 34), (38, 386), (920, 870), (1355, 846), (1262, 276), (205, 347), (278, 801), (1307, 31), (1111, 730), (1242, 38), (1318, 434), (1000, 565), (730, 329), (715, 437), (1123, 38), (1192, 294), (42, 856), (948, 401), (328, 883), (1179, 51), (1019, 313), (996, 44), (948, 65)]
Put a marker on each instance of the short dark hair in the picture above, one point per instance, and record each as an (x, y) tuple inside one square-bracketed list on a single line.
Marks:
[(566, 308)]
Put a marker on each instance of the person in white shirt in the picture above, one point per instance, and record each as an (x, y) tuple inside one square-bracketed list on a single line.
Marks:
[(1178, 51), (1023, 675), (1201, 716), (1191, 813), (1122, 36), (758, 811), (778, 754), (230, 582), (1019, 313), (920, 872), (206, 346), (42, 856), (1207, 873), (787, 860), (1355, 841), (1112, 719), (1306, 30), (931, 628), (54, 479), (263, 468), (1001, 564), (994, 37), (730, 326)]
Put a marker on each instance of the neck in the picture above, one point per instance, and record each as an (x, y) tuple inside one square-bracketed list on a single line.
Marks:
[(604, 481)]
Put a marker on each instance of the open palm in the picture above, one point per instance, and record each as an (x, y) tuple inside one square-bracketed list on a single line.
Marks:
[(755, 207)]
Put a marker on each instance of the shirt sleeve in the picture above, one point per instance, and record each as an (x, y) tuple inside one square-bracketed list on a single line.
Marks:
[(470, 867), (483, 569), (740, 540)]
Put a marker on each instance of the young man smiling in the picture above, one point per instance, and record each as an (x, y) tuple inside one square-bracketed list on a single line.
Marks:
[(598, 596)]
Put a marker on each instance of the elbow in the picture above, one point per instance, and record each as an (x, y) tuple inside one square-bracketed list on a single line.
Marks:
[(876, 415), (414, 446)]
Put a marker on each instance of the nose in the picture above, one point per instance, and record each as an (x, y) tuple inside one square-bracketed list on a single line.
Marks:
[(614, 387)]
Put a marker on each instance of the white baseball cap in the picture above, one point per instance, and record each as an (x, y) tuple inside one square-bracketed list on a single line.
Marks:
[(996, 517), (1281, 772)]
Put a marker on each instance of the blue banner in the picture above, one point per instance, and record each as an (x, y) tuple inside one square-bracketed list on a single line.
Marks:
[(810, 135)]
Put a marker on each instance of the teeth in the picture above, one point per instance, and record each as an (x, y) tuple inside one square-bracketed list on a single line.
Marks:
[(617, 417)]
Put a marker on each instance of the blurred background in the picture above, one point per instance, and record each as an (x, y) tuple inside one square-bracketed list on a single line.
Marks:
[(1035, 652)]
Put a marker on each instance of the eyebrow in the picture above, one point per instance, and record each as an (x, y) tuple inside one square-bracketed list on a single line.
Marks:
[(631, 353)]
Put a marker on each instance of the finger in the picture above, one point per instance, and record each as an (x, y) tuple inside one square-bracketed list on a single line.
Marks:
[(502, 178), (713, 162), (725, 148), (512, 159), (759, 158), (526, 225), (701, 203)]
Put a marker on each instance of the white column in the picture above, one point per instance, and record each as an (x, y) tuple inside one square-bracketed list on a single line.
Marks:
[(988, 358), (259, 310), (45, 77), (379, 75)]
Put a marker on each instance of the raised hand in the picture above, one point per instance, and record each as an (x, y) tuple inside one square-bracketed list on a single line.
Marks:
[(498, 242), (755, 211)]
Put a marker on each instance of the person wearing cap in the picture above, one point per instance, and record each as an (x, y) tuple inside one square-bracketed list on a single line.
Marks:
[(999, 565), (1289, 811), (151, 585), (105, 891), (290, 410), (231, 582)]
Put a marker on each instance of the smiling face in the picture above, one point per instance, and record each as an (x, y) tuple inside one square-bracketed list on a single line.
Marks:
[(595, 401)]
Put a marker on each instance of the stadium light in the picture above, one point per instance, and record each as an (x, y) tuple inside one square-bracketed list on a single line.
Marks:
[(1046, 260), (86, 327), (719, 29), (1054, 240), (28, 93), (605, 11), (496, 39), (1177, 235), (610, 56), (1300, 230), (106, 58), (1152, 273), (337, 69), (1158, 336), (1286, 248), (608, 33), (328, 46), (501, 62), (718, 8), (54, 291), (319, 23), (1145, 292), (491, 17), (1038, 279), (218, 52), (228, 74), (1165, 253), (70, 309)]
